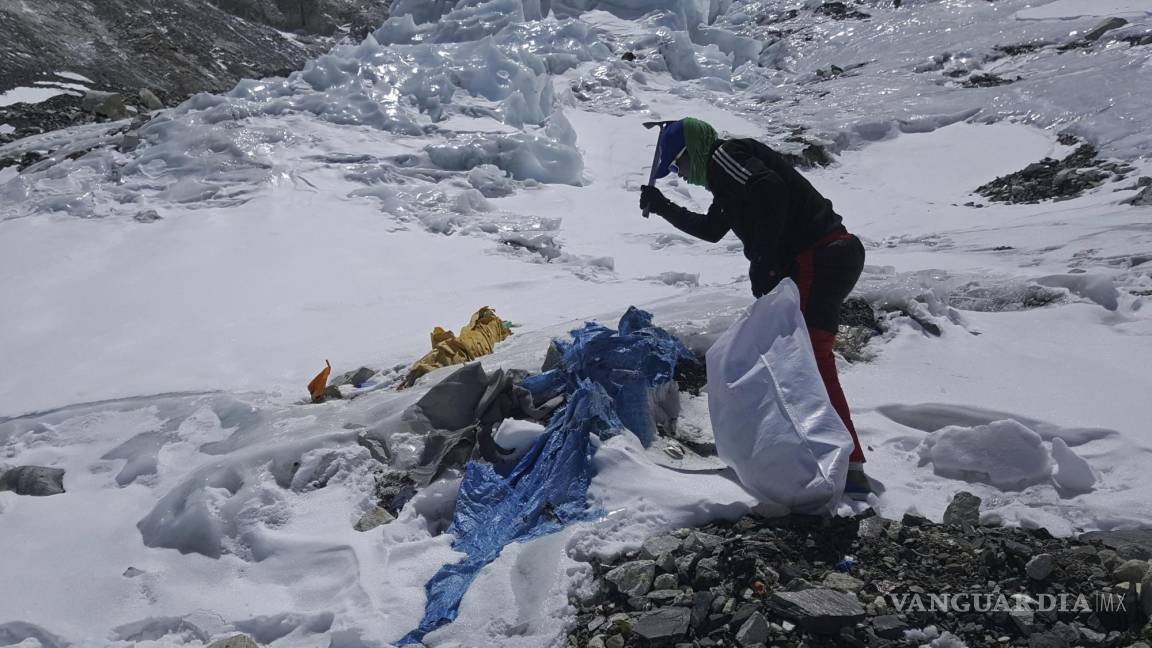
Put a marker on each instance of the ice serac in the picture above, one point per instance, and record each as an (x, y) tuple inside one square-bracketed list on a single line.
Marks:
[(489, 59)]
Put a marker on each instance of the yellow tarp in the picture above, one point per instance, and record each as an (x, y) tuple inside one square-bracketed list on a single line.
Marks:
[(476, 339)]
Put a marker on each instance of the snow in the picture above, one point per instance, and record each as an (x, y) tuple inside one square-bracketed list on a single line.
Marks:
[(6, 129), (1068, 9), (74, 77), (63, 85), (473, 156), (30, 95), (1098, 288), (1072, 472), (517, 436), (1003, 453)]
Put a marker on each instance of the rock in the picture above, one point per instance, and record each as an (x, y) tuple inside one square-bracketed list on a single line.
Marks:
[(843, 582), (913, 520), (663, 597), (376, 516), (128, 142), (654, 547), (840, 11), (633, 578), (1108, 558), (744, 613), (1018, 549), (1040, 567), (595, 642), (701, 542), (963, 511), (707, 573), (666, 582), (821, 611), (355, 378), (361, 376), (987, 81), (1130, 571), (889, 626), (1050, 179), (377, 445), (1103, 27), (1086, 551), (237, 641), (753, 631), (1061, 635), (1090, 636), (150, 100), (105, 104), (146, 216), (1132, 543), (1146, 594), (1142, 199), (701, 606), (684, 566), (663, 626), (37, 481), (666, 563), (872, 528), (799, 585), (621, 622)]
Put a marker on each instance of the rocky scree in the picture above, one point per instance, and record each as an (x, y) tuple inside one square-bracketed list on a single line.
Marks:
[(1051, 179), (811, 581)]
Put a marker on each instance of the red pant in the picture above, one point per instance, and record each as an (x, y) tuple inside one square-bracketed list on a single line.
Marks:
[(825, 275), (822, 342)]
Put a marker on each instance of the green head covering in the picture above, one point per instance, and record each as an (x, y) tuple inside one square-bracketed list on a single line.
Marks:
[(699, 138)]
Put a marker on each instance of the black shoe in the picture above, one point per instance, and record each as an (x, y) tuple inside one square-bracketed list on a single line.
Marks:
[(857, 486)]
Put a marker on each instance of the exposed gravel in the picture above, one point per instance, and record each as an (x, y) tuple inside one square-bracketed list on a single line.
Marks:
[(810, 581)]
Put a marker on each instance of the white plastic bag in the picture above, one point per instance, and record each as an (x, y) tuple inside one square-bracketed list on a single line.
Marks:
[(770, 411)]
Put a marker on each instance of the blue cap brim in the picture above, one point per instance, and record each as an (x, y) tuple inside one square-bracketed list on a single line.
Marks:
[(671, 146)]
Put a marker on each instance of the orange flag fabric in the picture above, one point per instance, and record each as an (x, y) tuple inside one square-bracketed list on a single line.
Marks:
[(319, 383)]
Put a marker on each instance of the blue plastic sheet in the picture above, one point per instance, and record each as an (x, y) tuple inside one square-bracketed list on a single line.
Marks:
[(627, 363), (607, 375)]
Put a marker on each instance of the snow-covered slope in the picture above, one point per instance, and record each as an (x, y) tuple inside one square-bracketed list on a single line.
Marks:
[(490, 153)]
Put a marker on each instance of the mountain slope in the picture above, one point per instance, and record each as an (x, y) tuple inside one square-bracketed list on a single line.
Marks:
[(169, 289)]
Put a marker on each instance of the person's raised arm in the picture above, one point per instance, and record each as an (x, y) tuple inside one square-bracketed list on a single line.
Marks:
[(711, 226)]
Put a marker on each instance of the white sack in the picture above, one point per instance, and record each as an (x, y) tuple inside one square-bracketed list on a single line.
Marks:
[(770, 411)]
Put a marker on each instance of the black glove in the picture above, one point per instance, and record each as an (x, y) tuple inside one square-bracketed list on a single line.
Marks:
[(652, 200)]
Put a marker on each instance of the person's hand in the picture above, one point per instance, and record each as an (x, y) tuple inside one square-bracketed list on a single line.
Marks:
[(652, 199)]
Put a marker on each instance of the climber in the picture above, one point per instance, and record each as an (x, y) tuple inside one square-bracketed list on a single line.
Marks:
[(788, 230)]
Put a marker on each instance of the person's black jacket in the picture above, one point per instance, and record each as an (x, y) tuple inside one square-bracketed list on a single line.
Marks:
[(758, 195)]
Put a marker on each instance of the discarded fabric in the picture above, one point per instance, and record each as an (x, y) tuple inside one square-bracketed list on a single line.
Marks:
[(546, 491), (476, 339), (319, 384), (457, 418), (635, 366), (609, 378)]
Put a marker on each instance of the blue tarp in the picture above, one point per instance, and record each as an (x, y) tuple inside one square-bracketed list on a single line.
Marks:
[(627, 363), (607, 375)]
